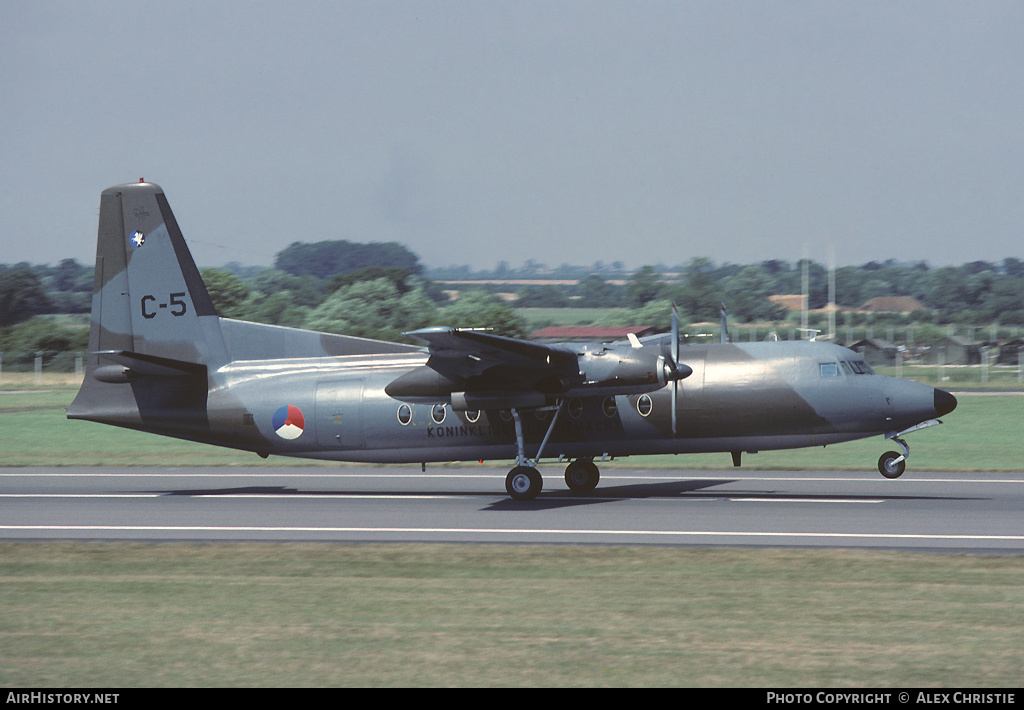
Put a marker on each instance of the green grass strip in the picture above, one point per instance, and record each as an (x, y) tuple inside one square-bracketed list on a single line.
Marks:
[(131, 615)]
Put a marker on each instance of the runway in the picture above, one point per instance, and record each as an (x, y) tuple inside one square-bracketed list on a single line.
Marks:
[(949, 512)]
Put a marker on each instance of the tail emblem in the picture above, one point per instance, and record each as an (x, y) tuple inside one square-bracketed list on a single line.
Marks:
[(138, 239), (288, 422)]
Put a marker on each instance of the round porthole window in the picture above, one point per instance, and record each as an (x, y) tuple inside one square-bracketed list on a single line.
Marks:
[(575, 408), (644, 405), (404, 414), (609, 407), (473, 416), (437, 413)]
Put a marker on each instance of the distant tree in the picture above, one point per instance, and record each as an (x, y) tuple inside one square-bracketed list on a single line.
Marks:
[(479, 309), (327, 258), (69, 275), (656, 313), (595, 292), (1013, 268), (227, 291), (307, 291), (699, 294), (746, 296), (372, 309), (398, 276), (644, 285), (543, 297), (42, 334), (21, 295)]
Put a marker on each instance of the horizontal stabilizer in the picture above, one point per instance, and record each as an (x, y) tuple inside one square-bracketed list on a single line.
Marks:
[(116, 366)]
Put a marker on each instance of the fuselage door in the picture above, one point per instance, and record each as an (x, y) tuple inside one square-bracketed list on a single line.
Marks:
[(339, 422)]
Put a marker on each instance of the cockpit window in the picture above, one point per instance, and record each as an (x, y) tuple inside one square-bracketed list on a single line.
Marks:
[(829, 369), (860, 367)]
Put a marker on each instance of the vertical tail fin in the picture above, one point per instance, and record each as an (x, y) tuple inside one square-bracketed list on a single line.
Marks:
[(148, 297), (153, 330)]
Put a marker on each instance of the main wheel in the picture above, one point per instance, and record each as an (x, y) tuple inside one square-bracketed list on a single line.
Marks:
[(582, 476), (523, 483), (888, 466)]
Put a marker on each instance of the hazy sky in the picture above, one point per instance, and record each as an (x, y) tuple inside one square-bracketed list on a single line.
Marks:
[(565, 132)]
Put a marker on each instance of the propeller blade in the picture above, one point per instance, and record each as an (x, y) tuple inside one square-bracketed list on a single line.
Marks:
[(675, 333), (675, 362)]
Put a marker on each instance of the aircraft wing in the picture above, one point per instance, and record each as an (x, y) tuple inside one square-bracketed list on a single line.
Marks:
[(481, 370), (463, 354)]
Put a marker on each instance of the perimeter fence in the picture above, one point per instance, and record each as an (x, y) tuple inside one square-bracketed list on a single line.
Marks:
[(993, 368)]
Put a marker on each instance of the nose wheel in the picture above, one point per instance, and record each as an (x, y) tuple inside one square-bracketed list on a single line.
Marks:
[(892, 464)]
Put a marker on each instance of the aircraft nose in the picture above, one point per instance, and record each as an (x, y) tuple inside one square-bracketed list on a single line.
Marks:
[(944, 403)]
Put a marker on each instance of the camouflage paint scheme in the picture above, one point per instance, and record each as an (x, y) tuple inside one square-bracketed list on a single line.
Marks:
[(162, 361)]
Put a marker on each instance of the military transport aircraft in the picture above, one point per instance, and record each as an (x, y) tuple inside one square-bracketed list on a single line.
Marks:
[(161, 360)]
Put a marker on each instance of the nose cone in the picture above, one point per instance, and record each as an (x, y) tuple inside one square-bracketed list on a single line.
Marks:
[(944, 403), (911, 403)]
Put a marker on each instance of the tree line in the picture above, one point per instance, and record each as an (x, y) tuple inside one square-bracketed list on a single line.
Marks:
[(382, 290)]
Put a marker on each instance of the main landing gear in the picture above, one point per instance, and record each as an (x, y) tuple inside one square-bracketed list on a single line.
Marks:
[(524, 482)]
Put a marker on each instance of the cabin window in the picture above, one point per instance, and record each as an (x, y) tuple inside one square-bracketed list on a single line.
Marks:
[(404, 414), (609, 407), (575, 408), (644, 405), (473, 415), (829, 369), (437, 413)]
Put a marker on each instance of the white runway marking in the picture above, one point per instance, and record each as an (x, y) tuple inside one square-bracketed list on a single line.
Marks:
[(505, 531), (801, 500)]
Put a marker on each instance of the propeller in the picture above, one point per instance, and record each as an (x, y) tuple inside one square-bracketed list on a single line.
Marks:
[(674, 371), (675, 361)]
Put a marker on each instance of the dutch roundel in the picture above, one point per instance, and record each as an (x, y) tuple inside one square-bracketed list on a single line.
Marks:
[(288, 422)]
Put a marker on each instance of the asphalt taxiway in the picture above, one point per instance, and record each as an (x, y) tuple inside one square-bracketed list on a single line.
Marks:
[(957, 512)]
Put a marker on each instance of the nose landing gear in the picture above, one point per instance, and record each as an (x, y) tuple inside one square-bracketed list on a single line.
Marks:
[(892, 464)]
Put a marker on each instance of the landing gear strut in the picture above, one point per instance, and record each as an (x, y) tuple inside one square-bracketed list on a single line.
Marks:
[(524, 481), (892, 464)]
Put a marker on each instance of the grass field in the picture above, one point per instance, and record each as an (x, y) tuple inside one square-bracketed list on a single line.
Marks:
[(123, 615), (983, 434)]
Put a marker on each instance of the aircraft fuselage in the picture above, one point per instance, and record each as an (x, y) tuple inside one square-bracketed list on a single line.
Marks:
[(740, 397)]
